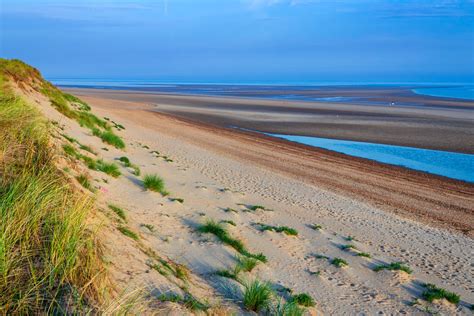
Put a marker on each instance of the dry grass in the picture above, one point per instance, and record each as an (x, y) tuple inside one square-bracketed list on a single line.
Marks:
[(50, 263)]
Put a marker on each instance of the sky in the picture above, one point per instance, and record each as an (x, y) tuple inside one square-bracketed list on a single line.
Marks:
[(243, 40)]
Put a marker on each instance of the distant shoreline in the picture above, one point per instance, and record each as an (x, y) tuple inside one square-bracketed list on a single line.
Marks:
[(376, 94), (443, 125)]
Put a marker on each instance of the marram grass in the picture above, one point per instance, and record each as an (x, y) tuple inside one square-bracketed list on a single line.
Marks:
[(47, 255)]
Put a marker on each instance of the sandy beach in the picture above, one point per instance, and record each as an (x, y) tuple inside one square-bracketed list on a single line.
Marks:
[(390, 213)]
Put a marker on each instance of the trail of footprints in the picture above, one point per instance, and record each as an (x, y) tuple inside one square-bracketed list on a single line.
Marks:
[(356, 292)]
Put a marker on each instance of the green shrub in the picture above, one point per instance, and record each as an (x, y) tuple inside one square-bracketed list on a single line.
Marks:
[(154, 183)]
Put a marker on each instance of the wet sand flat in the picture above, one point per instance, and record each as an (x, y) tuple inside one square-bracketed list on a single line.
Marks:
[(446, 125)]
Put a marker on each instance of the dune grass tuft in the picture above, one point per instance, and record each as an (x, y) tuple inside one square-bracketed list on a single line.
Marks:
[(347, 247), (119, 211), (85, 182), (279, 229), (364, 254), (303, 299), (316, 226), (338, 262), (50, 262), (394, 266), (108, 168), (230, 222), (153, 182), (127, 232), (246, 264), (112, 139), (287, 309), (432, 292), (257, 295), (126, 162), (220, 232)]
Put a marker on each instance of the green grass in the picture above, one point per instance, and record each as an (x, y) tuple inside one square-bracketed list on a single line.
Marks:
[(221, 233), (338, 262), (71, 151), (179, 200), (320, 256), (87, 148), (119, 211), (85, 182), (154, 183), (246, 264), (229, 222), (69, 139), (112, 139), (432, 292), (227, 274), (303, 299), (108, 168), (126, 162), (316, 226), (279, 229), (349, 238), (187, 300), (287, 309), (364, 254), (347, 247), (150, 227), (229, 210), (127, 232), (394, 266), (257, 296), (48, 256), (256, 208)]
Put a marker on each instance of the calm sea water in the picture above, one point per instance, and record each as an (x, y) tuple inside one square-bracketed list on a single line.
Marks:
[(449, 164), (461, 92)]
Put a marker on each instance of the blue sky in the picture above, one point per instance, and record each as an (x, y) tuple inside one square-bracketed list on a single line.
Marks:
[(244, 40)]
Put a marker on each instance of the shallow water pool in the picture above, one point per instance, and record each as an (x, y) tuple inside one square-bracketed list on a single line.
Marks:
[(449, 164)]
